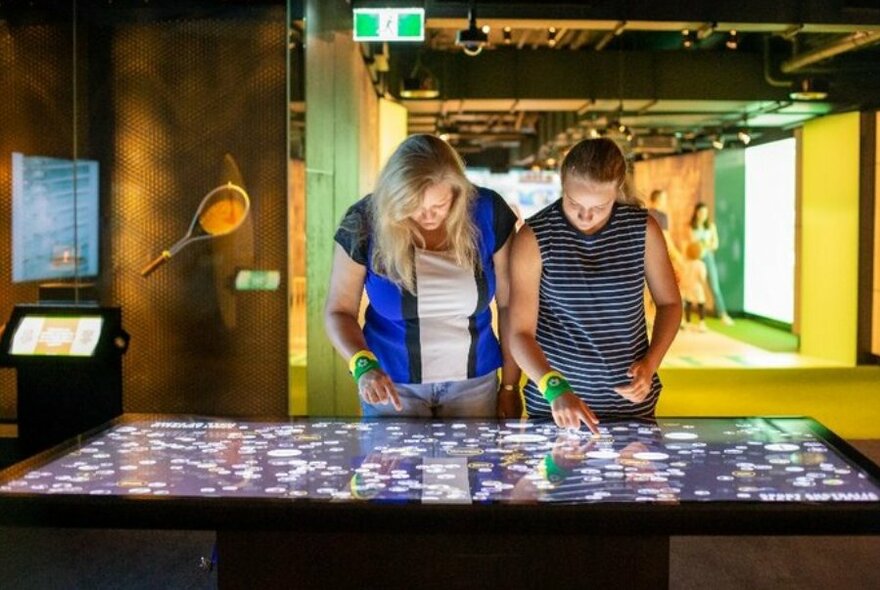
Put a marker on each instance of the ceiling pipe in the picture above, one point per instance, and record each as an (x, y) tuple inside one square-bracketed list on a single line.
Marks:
[(850, 42), (768, 77)]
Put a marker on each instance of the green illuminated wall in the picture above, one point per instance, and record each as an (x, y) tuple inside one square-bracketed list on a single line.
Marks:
[(730, 195), (829, 237)]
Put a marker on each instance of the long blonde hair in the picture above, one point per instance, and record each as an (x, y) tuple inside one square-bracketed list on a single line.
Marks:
[(419, 162), (600, 160)]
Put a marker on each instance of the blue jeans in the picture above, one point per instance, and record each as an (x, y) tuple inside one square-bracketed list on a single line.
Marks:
[(714, 283), (471, 398)]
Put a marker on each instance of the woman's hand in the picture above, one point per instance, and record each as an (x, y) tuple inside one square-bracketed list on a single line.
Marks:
[(375, 387), (509, 403), (569, 411), (642, 373)]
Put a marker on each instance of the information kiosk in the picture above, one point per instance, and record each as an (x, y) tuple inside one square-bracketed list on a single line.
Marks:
[(69, 364)]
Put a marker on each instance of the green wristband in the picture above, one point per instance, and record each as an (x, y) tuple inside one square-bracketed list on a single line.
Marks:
[(552, 471), (553, 385), (363, 365)]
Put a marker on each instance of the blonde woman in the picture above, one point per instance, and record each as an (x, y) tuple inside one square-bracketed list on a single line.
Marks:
[(431, 251)]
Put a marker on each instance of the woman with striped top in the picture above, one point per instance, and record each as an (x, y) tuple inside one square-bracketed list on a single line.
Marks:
[(578, 270), (431, 250)]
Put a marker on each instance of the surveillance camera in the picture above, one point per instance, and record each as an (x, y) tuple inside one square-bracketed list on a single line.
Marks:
[(471, 39)]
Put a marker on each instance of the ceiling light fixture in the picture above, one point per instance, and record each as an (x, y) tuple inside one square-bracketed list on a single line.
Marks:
[(472, 39), (744, 136), (688, 38), (810, 89), (420, 83), (718, 142), (732, 42), (551, 36), (507, 35)]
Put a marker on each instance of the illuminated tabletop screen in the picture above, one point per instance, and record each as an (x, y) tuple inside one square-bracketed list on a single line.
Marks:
[(697, 460)]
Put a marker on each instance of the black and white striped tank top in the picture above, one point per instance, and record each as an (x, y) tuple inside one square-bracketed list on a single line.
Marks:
[(591, 313)]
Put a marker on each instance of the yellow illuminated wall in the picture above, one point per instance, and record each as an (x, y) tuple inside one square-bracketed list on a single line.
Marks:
[(829, 238), (875, 341), (392, 128)]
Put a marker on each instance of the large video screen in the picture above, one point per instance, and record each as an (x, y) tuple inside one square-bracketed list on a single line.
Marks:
[(769, 230), (54, 218)]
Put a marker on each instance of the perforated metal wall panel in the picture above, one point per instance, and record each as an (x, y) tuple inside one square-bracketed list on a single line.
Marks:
[(36, 118), (162, 99), (182, 93)]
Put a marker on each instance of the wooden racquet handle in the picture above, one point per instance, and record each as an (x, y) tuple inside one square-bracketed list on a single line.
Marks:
[(159, 261)]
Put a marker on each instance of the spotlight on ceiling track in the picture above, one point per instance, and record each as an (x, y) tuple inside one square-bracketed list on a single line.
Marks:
[(688, 38), (732, 42), (718, 142), (472, 39), (507, 34), (810, 89), (744, 136), (551, 36)]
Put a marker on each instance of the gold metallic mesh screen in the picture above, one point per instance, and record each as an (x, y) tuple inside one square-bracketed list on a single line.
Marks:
[(36, 118), (161, 100), (184, 93)]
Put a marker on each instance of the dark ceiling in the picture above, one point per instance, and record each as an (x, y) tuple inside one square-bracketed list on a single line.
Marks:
[(552, 73)]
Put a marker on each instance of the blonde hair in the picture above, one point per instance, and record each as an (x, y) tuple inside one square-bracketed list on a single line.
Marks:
[(600, 160), (419, 162)]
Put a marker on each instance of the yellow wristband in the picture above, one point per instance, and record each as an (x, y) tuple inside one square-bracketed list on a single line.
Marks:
[(352, 362)]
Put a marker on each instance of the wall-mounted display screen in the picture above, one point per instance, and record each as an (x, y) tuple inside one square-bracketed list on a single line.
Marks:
[(37, 335), (54, 218), (769, 236)]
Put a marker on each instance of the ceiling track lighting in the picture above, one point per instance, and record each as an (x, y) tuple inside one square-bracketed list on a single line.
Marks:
[(551, 36), (507, 35), (732, 42), (688, 38)]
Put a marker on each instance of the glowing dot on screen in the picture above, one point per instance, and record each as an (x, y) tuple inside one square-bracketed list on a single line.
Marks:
[(524, 438), (781, 447), (284, 453), (650, 456), (680, 435), (603, 454)]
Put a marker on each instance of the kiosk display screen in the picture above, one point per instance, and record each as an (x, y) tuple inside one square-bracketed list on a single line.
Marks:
[(41, 335)]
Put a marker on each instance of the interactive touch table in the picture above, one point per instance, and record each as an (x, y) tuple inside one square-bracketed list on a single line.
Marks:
[(398, 503)]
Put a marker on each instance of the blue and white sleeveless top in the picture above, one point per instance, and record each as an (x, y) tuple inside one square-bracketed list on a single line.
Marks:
[(591, 310), (444, 331)]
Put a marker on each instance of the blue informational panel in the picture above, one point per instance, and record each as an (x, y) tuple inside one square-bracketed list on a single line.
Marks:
[(54, 218)]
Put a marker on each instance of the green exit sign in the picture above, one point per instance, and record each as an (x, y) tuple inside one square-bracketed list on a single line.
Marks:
[(389, 24)]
